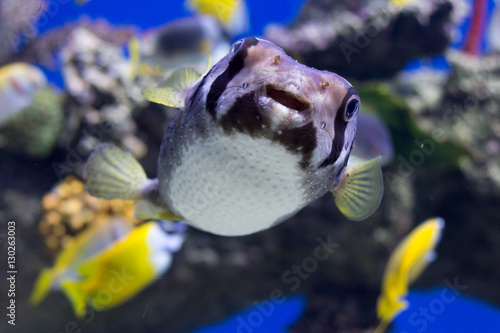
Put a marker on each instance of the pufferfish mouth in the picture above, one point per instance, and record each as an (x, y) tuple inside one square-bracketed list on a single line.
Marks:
[(286, 98)]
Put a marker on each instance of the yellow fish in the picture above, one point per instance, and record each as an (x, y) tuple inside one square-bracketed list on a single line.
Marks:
[(401, 3), (406, 263), (114, 273), (231, 14), (19, 83), (79, 249)]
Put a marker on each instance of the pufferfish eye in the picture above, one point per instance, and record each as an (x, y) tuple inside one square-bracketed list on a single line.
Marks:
[(236, 46), (351, 108)]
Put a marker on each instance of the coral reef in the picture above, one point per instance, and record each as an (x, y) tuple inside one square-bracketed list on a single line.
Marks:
[(34, 130), (44, 49), (102, 95), (462, 108), (18, 25), (68, 209), (370, 43)]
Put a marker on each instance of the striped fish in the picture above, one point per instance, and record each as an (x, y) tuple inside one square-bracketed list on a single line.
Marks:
[(255, 140)]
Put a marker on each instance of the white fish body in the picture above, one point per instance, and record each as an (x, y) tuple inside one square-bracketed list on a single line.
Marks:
[(259, 137)]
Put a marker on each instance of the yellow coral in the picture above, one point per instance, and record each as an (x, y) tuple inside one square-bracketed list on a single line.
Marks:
[(67, 210)]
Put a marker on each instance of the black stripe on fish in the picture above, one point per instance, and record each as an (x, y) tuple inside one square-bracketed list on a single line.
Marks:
[(299, 140), (244, 116), (234, 66), (339, 125), (196, 95)]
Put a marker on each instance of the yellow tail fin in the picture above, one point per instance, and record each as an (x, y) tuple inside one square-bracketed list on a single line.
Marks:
[(42, 286), (77, 296)]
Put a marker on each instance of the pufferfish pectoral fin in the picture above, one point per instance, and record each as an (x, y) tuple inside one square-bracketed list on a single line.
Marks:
[(147, 210), (174, 90), (359, 192), (113, 173)]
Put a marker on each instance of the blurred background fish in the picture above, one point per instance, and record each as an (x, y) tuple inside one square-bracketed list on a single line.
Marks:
[(124, 268), (109, 263), (373, 139), (19, 82), (188, 41), (231, 14), (405, 265), (78, 250)]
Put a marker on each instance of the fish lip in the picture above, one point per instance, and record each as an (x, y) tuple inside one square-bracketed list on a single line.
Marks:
[(280, 94)]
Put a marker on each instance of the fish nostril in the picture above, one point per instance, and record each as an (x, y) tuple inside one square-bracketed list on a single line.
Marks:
[(287, 99)]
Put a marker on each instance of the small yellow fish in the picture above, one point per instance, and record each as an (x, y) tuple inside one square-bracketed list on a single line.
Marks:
[(401, 3), (19, 83), (79, 249), (406, 263), (231, 14), (114, 273)]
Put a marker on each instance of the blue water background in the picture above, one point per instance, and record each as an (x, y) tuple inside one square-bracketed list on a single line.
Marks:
[(264, 317), (445, 309), (151, 13)]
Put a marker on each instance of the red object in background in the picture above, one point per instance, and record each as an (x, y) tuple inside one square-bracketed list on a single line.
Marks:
[(473, 41)]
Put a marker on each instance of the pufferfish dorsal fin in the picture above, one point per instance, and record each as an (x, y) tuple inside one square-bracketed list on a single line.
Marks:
[(359, 192), (173, 92)]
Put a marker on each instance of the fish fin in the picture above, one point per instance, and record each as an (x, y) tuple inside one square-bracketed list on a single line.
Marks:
[(182, 79), (147, 210), (387, 310), (222, 10), (232, 14), (360, 191), (431, 257), (134, 54), (174, 90), (76, 295), (151, 70), (113, 173), (42, 286), (209, 64), (164, 95), (382, 327)]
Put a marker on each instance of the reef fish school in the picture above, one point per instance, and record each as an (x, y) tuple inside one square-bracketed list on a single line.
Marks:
[(11, 271)]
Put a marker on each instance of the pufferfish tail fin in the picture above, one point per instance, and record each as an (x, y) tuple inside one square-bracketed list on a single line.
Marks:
[(113, 173), (42, 287), (173, 92), (360, 191)]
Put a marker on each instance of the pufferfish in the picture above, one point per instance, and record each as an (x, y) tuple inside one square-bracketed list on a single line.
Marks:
[(256, 139)]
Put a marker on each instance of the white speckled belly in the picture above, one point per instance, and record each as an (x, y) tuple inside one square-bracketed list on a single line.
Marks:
[(236, 185)]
